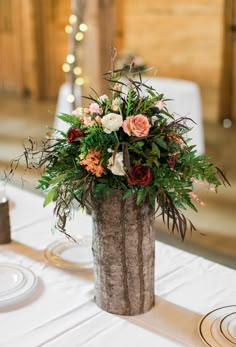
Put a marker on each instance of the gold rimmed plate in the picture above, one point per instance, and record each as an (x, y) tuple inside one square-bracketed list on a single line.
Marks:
[(228, 327), (69, 255), (210, 327)]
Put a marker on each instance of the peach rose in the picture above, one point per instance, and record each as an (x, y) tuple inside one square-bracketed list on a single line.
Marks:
[(136, 125)]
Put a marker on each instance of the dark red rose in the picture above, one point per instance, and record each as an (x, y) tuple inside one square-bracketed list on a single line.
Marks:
[(139, 175), (73, 135)]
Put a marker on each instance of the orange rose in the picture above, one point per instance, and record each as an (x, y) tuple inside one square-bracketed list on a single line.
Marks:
[(136, 125)]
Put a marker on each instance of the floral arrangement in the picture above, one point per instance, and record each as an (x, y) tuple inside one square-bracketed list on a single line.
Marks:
[(128, 141)]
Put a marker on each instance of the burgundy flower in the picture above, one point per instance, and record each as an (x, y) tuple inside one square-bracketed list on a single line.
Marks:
[(139, 175), (73, 135)]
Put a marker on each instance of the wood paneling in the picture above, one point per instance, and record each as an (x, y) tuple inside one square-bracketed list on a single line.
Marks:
[(51, 44), (33, 46), (181, 39), (10, 52)]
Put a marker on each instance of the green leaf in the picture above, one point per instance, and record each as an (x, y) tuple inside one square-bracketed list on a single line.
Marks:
[(51, 196), (128, 193), (69, 119), (156, 150), (140, 196), (160, 142), (58, 179), (101, 189)]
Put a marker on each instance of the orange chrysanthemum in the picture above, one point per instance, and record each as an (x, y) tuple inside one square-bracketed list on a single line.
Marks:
[(91, 162)]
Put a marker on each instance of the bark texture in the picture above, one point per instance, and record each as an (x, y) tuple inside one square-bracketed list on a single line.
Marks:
[(5, 232), (124, 250)]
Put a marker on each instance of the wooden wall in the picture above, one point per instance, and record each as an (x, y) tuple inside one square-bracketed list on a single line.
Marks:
[(181, 39), (10, 47), (33, 46)]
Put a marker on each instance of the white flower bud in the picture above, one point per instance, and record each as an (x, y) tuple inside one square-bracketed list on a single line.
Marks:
[(111, 122)]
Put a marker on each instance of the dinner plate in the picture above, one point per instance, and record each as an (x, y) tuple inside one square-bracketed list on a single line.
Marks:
[(10, 280), (228, 327), (216, 329), (17, 283), (70, 255)]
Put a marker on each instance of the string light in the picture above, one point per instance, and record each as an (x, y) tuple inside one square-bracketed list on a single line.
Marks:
[(79, 36), (73, 19), (83, 27), (79, 81), (70, 98), (76, 28), (227, 123), (66, 67), (77, 70), (70, 58), (68, 29)]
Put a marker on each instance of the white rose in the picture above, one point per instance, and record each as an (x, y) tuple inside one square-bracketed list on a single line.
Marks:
[(111, 122), (116, 164)]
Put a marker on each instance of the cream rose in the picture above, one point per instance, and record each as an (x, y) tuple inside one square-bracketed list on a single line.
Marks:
[(116, 164), (111, 122), (136, 125)]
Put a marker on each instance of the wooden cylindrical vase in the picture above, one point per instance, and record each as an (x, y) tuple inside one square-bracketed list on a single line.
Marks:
[(124, 251)]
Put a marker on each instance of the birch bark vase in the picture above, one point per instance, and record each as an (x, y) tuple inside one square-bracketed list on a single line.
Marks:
[(123, 250)]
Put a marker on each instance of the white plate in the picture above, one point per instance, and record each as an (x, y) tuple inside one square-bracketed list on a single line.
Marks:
[(71, 255), (210, 327), (10, 279), (16, 284), (228, 327)]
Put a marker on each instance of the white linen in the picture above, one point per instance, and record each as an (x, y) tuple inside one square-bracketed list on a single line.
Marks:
[(62, 312), (25, 207)]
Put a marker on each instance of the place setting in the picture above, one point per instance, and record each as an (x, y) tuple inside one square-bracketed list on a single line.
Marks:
[(218, 327), (17, 284), (74, 251), (71, 255)]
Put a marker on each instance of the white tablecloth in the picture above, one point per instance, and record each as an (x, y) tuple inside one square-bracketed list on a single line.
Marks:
[(185, 101), (62, 313)]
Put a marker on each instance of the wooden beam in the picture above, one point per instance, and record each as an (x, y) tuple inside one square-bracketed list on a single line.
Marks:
[(226, 85), (97, 43), (38, 47)]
